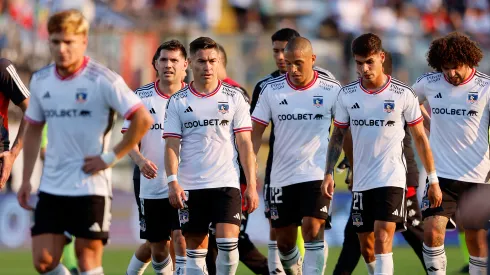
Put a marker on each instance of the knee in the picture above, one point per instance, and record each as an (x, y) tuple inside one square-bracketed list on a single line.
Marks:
[(44, 263), (382, 237), (286, 245), (313, 230), (178, 240)]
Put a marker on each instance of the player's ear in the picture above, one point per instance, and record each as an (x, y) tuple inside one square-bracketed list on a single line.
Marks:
[(313, 59), (382, 56)]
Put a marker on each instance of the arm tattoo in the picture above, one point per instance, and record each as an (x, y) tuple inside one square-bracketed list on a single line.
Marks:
[(334, 148)]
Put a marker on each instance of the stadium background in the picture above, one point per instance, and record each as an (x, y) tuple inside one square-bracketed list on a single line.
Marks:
[(125, 33)]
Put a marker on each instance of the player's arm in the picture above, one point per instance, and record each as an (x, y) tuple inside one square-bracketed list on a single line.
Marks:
[(426, 116), (146, 166), (176, 194), (255, 96), (257, 132), (247, 159)]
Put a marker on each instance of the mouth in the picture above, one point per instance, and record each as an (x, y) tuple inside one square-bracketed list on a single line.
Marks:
[(168, 73)]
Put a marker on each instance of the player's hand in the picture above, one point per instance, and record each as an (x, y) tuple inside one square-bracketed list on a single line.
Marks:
[(7, 159), (435, 195), (93, 165), (147, 168), (251, 199), (24, 194), (328, 186), (176, 195)]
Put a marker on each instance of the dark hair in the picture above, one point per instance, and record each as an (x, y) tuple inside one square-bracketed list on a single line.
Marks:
[(172, 45), (285, 34), (453, 49), (366, 45), (223, 52), (388, 64), (202, 43)]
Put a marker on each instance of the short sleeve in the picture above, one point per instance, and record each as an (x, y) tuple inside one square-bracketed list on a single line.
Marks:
[(418, 88), (172, 125), (241, 119), (262, 113), (120, 97), (11, 84), (34, 113), (125, 126), (411, 111), (341, 115)]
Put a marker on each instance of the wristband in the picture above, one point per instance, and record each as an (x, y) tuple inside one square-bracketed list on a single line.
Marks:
[(171, 178), (432, 176), (109, 158)]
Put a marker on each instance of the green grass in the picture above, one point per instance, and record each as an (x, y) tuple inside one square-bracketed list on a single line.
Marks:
[(19, 262)]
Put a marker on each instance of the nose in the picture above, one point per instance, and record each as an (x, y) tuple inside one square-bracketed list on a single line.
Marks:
[(364, 68), (452, 73)]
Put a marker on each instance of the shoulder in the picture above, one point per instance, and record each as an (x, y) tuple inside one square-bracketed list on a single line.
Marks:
[(324, 72), (180, 95), (274, 84), (232, 91), (146, 91), (430, 77), (399, 87), (350, 88), (327, 82), (482, 79), (266, 78), (95, 70), (43, 73)]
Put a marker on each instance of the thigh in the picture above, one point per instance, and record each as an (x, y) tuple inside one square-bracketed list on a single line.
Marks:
[(478, 220), (226, 206), (160, 217), (362, 211), (195, 217), (285, 206), (50, 215), (89, 253), (91, 217), (390, 205), (313, 203)]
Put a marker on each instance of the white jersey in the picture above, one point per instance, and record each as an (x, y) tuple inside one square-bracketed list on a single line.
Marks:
[(377, 121), (80, 112), (207, 124), (302, 118), (459, 125), (152, 145)]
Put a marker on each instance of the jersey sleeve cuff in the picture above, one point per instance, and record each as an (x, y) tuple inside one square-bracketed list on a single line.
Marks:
[(339, 124), (415, 122), (131, 111), (33, 121), (260, 121), (243, 129), (174, 135), (124, 130)]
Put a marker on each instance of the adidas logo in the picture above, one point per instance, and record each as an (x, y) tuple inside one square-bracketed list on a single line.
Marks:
[(432, 269), (284, 102), (438, 95), (95, 228), (188, 110), (237, 216), (324, 209), (152, 111), (355, 106), (47, 95), (395, 213)]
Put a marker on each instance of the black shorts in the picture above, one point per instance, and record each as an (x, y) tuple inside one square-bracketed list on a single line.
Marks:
[(159, 219), (290, 204), (267, 199), (210, 206), (379, 204), (87, 217), (136, 185), (452, 191)]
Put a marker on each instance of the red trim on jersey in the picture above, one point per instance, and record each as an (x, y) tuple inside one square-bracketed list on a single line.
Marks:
[(243, 129), (260, 121), (160, 93), (124, 130), (415, 122), (173, 135), (473, 71), (131, 111), (377, 91), (315, 77), (198, 94), (74, 74), (339, 124), (33, 121), (231, 82), (411, 191)]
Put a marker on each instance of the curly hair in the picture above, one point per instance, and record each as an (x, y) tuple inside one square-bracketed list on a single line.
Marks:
[(454, 49)]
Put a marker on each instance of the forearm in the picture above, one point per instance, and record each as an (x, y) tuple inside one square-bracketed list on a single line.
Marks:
[(247, 159), (334, 149), (140, 124), (348, 147), (257, 132), (425, 153), (135, 154), (426, 117), (171, 157), (32, 146), (19, 140)]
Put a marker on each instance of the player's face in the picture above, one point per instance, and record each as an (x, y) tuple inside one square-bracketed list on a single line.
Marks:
[(370, 67), (299, 66), (205, 65), (67, 49), (171, 66), (456, 74), (278, 53)]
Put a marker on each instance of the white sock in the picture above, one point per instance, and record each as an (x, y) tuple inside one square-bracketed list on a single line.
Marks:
[(228, 257), (291, 261), (384, 264), (478, 265), (96, 271), (163, 268), (180, 264), (314, 258), (273, 260), (196, 262), (136, 267), (59, 270), (435, 260), (325, 256), (370, 267)]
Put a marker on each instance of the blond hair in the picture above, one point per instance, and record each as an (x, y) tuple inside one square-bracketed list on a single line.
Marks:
[(68, 21)]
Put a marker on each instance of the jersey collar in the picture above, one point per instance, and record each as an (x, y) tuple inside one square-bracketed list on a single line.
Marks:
[(315, 77), (473, 71), (377, 91), (74, 74), (160, 93), (198, 94)]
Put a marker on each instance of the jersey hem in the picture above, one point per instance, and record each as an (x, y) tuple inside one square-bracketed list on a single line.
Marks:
[(154, 197), (194, 187), (375, 187), (304, 179), (51, 192), (442, 175)]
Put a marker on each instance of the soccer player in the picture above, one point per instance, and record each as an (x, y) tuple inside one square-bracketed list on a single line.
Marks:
[(206, 124), (159, 221), (11, 88), (376, 107), (414, 235), (279, 42), (458, 96), (77, 97), (300, 103)]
